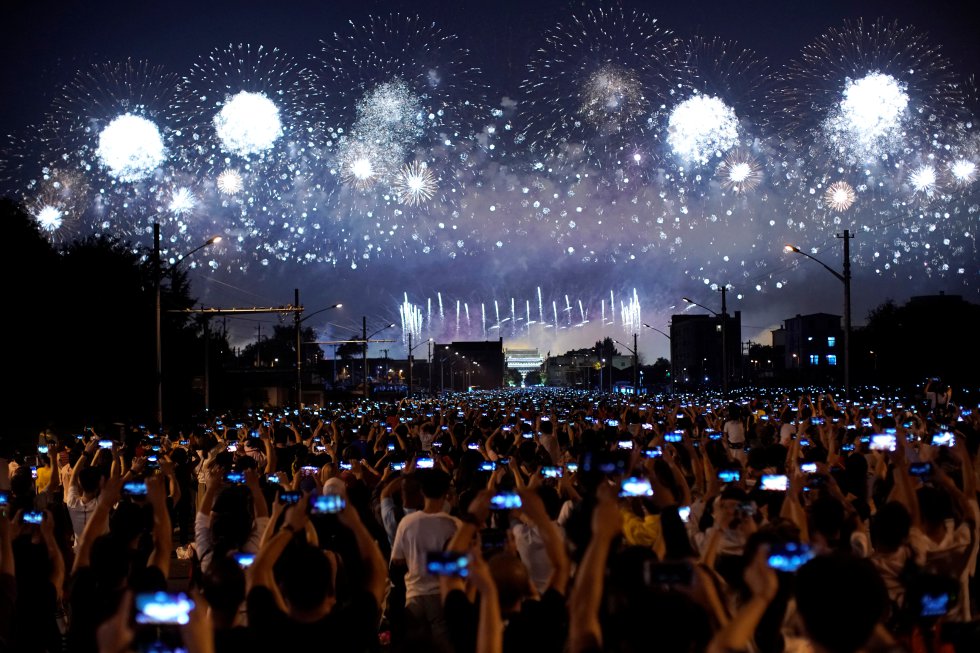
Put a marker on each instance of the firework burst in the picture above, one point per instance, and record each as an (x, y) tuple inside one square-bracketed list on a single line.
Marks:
[(415, 184), (740, 172), (840, 196)]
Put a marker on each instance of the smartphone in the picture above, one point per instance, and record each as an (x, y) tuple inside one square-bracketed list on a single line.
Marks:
[(163, 608), (493, 540), (232, 447), (635, 486), (345, 466), (396, 466), (290, 498), (789, 556), (487, 466), (235, 478), (729, 475), (625, 444), (4, 498), (774, 482), (818, 421), (883, 442), (42, 448), (612, 422), (674, 437), (943, 439), (391, 446), (714, 435), (105, 444), (684, 512), (847, 447), (551, 471), (646, 427), (447, 563), (808, 468), (327, 504), (505, 501), (472, 446), (934, 605), (34, 517), (272, 478), (134, 489), (866, 422), (244, 559), (308, 470), (425, 463), (920, 469), (571, 467), (658, 574), (653, 452)]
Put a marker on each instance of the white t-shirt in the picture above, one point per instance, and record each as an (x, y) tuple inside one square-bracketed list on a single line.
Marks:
[(79, 510), (735, 431), (417, 535), (786, 433), (534, 555)]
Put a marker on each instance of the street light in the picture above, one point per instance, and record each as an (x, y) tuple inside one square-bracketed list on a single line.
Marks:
[(636, 390), (724, 335), (297, 321), (367, 339), (671, 354), (158, 278), (845, 278)]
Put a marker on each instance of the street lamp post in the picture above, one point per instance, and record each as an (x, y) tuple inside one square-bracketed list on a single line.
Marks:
[(367, 339), (635, 359), (845, 278), (671, 355), (724, 334), (158, 280), (297, 322), (411, 360)]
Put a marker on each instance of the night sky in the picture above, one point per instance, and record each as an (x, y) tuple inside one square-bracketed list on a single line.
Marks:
[(46, 41)]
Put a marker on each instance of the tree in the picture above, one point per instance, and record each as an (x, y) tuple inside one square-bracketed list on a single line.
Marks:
[(513, 377), (349, 350), (533, 378), (606, 348)]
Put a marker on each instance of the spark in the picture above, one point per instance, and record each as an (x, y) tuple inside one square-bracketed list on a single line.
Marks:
[(702, 128), (182, 201), (923, 179), (230, 182), (131, 147), (964, 171), (840, 196), (248, 124), (49, 218), (609, 91), (740, 172), (868, 122), (415, 184)]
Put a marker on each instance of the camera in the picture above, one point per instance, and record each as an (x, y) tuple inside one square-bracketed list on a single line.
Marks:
[(447, 563), (505, 501), (789, 556), (34, 517), (163, 608), (327, 504)]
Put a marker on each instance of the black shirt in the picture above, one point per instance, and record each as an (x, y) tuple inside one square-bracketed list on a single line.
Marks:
[(349, 628)]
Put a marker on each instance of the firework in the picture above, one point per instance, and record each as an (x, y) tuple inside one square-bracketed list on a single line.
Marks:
[(230, 182), (740, 172), (701, 128), (248, 124), (415, 184), (840, 196), (923, 179), (963, 171), (182, 201), (593, 83)]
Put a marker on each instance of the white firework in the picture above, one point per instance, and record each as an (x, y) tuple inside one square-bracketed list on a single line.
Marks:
[(631, 314), (923, 179), (964, 171), (740, 172), (248, 124), (182, 201), (610, 92), (411, 316), (131, 148), (702, 128), (869, 122), (230, 182), (840, 196), (415, 184), (49, 218)]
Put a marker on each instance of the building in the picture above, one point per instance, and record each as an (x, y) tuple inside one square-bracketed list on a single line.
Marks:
[(468, 364), (813, 346), (573, 369), (523, 360), (696, 348)]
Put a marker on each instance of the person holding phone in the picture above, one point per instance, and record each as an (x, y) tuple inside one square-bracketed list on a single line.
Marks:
[(84, 487)]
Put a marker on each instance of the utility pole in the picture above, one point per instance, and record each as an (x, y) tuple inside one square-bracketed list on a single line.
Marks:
[(636, 368), (207, 365), (409, 364), (157, 273), (364, 353), (299, 350), (847, 311), (724, 341)]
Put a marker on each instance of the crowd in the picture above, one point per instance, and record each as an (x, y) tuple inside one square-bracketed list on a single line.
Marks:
[(544, 520)]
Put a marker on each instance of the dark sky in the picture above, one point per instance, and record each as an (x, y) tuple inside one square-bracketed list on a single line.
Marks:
[(45, 41)]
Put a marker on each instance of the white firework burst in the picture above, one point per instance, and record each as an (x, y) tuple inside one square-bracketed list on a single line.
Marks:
[(131, 148), (924, 179), (248, 124), (740, 172), (869, 122), (963, 171), (840, 196), (701, 128), (182, 201), (49, 218), (230, 182), (415, 184)]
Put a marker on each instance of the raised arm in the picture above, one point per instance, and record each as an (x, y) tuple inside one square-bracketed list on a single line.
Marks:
[(98, 523), (162, 529), (57, 573), (554, 544)]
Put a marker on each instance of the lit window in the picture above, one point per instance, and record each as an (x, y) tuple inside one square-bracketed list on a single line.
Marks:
[(814, 359), (831, 341), (831, 359)]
